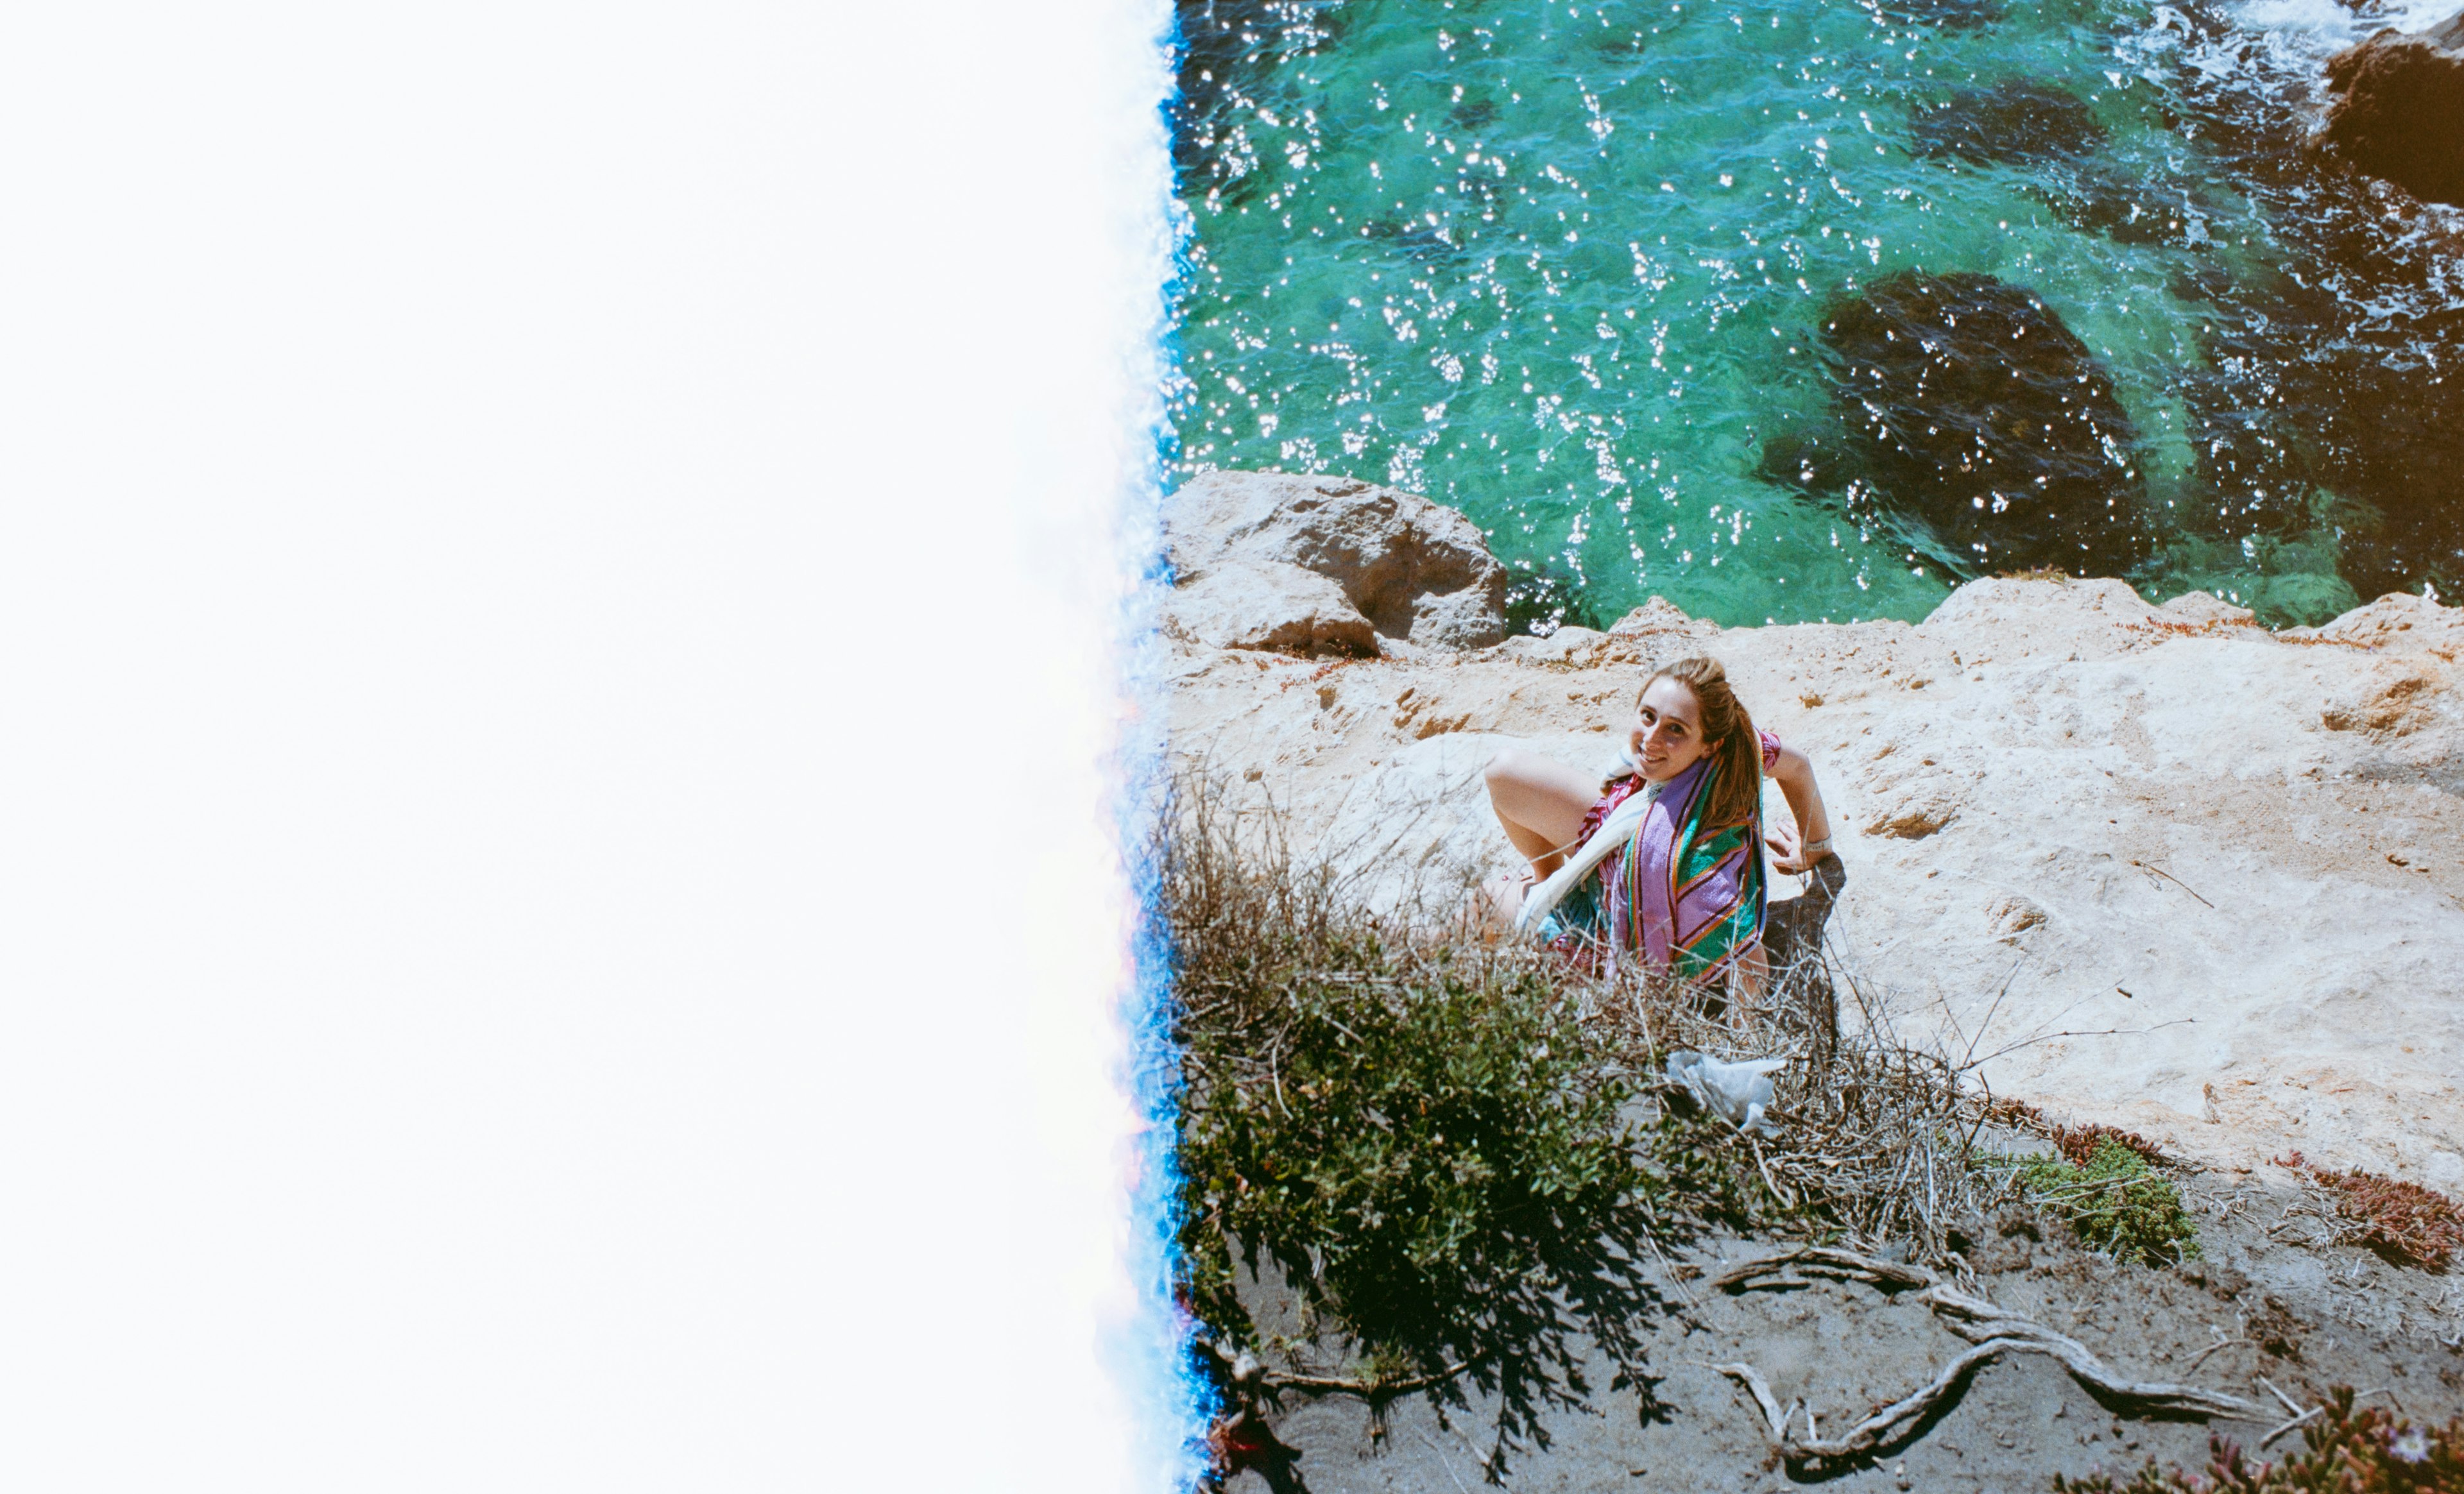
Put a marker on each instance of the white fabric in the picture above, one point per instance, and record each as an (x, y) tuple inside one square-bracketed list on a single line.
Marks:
[(1738, 1093), (1613, 832)]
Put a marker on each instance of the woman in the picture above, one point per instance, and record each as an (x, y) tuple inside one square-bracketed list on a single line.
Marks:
[(1664, 859)]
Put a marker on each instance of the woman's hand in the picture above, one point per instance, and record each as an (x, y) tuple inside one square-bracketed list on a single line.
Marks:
[(1787, 843), (1788, 850)]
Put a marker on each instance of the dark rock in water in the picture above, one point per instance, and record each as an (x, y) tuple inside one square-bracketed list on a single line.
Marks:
[(2124, 211), (1227, 47), (2326, 405), (1797, 459), (2399, 111), (1473, 113), (2312, 416), (1415, 241), (1540, 599), (1965, 403), (2399, 521), (2015, 122)]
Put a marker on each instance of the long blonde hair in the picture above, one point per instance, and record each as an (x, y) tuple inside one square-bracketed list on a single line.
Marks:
[(1731, 740)]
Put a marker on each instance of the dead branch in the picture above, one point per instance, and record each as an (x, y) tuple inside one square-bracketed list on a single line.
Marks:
[(1371, 1388), (1825, 1260), (1973, 1318), (2222, 1343), (2283, 1427), (1751, 1379), (1991, 1330), (1866, 1434)]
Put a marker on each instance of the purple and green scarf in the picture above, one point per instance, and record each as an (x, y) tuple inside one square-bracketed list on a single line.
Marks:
[(1689, 898)]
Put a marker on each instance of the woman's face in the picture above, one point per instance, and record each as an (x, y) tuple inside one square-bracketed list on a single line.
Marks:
[(1667, 731)]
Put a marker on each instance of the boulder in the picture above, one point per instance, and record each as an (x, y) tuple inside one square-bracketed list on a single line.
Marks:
[(2399, 109), (1248, 605), (1411, 569)]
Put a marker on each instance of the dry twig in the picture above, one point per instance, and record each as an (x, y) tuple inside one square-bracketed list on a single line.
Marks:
[(1371, 1388), (1993, 1331), (2222, 1343)]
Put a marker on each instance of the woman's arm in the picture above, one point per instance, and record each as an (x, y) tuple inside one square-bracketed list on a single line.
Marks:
[(1793, 772)]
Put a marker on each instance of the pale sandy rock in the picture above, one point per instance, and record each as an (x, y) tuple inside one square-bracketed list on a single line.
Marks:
[(1567, 644), (1416, 570), (2201, 609), (2211, 874), (1247, 605), (1659, 619), (2398, 619)]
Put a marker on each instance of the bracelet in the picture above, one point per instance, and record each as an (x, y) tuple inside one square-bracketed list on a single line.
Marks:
[(1815, 849)]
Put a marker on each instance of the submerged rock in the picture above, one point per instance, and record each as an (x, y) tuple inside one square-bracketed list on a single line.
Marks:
[(1253, 555), (1540, 599), (1226, 49), (2127, 212), (2325, 406), (1965, 403), (2399, 111), (2015, 122)]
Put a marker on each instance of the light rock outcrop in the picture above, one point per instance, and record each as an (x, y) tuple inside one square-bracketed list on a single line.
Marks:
[(1326, 566), (2199, 880)]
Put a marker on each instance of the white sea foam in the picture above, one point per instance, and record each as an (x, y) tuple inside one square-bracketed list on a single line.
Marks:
[(2324, 27)]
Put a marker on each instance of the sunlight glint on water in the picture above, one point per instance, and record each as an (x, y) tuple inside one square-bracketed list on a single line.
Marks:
[(1557, 265)]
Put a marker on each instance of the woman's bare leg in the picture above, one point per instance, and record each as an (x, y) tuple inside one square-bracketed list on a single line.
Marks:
[(1500, 898), (1752, 978), (1541, 804)]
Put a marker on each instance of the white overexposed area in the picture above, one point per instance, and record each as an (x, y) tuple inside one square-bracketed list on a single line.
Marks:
[(563, 585)]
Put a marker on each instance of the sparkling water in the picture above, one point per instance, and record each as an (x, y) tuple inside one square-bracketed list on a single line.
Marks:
[(1566, 268)]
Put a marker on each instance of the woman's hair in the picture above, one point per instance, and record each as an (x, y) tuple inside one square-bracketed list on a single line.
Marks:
[(1729, 737)]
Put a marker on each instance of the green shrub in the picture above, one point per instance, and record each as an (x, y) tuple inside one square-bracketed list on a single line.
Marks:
[(2115, 1202), (1425, 1137)]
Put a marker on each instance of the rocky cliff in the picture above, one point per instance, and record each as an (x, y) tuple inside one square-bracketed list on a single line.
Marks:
[(2225, 861)]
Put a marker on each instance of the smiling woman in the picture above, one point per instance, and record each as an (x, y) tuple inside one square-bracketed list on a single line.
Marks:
[(1663, 859)]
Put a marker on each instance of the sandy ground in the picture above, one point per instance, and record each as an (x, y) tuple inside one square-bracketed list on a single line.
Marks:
[(2306, 1317)]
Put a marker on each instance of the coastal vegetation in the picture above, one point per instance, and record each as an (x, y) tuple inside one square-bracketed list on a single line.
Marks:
[(1465, 1162), (2112, 1196), (2345, 1449)]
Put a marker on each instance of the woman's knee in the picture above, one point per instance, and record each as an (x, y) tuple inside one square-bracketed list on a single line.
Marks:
[(1508, 765)]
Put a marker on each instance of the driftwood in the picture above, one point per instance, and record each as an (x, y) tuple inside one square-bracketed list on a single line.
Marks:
[(1246, 1376), (1371, 1389), (1993, 1331)]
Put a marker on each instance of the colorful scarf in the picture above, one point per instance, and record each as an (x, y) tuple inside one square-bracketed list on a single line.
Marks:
[(1688, 896)]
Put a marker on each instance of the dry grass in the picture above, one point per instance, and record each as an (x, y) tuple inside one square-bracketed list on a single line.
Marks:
[(1876, 1139)]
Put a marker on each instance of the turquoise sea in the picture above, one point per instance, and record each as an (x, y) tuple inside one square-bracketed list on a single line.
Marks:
[(1581, 270)]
